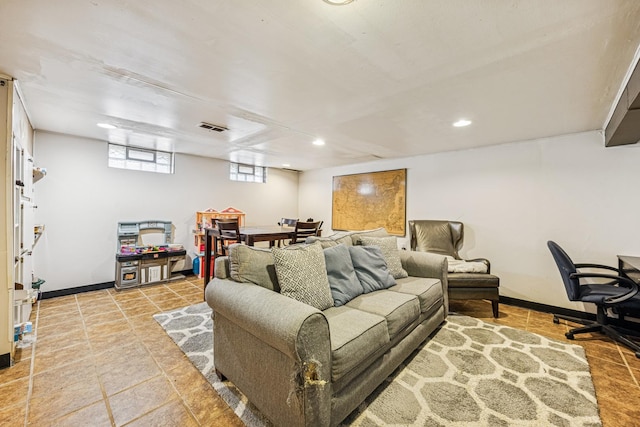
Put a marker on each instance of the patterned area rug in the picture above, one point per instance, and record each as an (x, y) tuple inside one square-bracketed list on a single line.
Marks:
[(471, 373)]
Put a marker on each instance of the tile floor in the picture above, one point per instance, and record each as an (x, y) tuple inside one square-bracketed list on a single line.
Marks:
[(101, 360)]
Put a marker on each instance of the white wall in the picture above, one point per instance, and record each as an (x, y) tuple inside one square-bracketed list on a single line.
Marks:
[(81, 200), (514, 197)]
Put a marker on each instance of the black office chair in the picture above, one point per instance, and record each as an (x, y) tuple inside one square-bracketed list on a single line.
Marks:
[(619, 294)]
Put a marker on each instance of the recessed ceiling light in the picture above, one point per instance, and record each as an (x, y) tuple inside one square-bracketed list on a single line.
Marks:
[(318, 142), (462, 123), (106, 126), (286, 165)]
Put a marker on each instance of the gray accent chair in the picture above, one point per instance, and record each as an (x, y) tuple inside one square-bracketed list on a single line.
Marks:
[(446, 238)]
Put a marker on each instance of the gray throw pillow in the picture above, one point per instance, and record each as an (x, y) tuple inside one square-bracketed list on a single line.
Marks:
[(302, 275), (371, 268), (389, 247), (253, 265), (343, 281)]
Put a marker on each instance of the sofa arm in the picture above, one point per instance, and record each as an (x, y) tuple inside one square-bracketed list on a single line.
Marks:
[(424, 264), (427, 264), (262, 337), (282, 322)]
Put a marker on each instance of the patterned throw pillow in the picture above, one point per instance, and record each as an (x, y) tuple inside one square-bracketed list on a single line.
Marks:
[(389, 247), (302, 275)]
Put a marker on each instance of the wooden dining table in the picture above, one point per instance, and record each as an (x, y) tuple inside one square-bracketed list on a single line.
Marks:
[(248, 235)]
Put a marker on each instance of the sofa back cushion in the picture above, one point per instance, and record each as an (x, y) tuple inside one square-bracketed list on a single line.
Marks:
[(389, 248), (253, 265), (221, 268), (371, 268), (343, 281), (333, 240), (302, 275), (377, 232)]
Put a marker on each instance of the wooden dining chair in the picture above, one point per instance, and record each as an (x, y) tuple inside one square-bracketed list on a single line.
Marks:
[(288, 223), (305, 229), (228, 233)]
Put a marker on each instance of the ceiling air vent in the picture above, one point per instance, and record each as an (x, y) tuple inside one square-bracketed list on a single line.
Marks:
[(212, 127)]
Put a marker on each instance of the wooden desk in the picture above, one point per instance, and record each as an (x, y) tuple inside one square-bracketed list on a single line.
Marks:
[(249, 235)]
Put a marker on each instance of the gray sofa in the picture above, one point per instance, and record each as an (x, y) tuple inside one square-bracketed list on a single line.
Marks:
[(301, 366)]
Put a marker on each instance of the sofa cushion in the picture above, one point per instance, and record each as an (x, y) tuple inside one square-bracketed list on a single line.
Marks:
[(355, 335), (325, 242), (428, 291), (252, 265), (389, 248), (343, 281), (371, 268), (397, 308), (333, 240), (302, 275), (377, 232)]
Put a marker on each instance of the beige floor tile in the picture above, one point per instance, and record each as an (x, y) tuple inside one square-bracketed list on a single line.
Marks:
[(141, 309), (141, 399), (102, 307), (47, 343), (60, 377), (62, 356), (13, 415), (145, 324), (64, 400), (93, 295), (120, 355), (127, 295), (60, 323), (106, 328), (103, 343), (99, 318), (172, 304), (171, 413), (129, 373), (54, 333), (94, 415), (13, 392)]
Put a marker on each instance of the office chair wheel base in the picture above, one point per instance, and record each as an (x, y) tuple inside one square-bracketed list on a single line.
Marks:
[(569, 335), (556, 320)]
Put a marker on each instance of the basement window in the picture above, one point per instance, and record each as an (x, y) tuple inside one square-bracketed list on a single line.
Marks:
[(140, 159), (247, 173)]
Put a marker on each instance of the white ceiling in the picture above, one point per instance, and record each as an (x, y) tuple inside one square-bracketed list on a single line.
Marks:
[(374, 79)]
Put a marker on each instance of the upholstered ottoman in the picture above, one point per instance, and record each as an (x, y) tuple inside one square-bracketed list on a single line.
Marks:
[(464, 286)]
